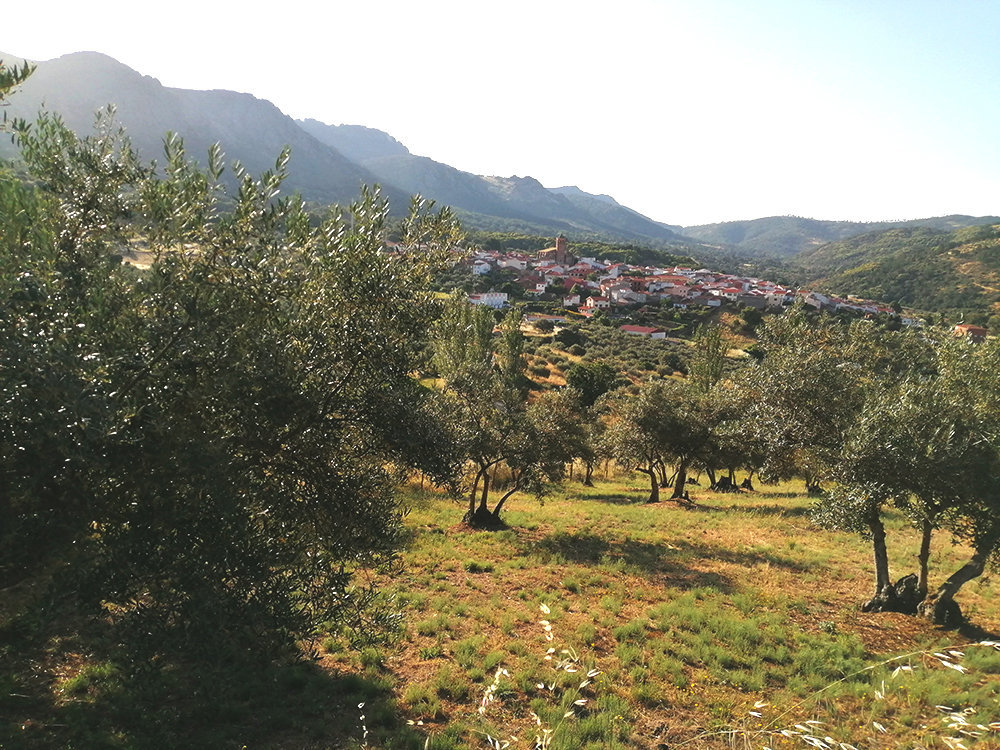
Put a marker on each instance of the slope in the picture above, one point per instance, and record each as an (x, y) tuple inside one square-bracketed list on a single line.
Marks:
[(250, 130), (512, 203), (920, 267), (785, 236)]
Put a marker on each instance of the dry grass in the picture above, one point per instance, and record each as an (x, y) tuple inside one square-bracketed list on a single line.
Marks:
[(732, 624), (696, 619)]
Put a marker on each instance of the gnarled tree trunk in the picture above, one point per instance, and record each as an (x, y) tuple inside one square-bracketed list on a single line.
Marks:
[(681, 481), (923, 557), (941, 606), (654, 485), (901, 597)]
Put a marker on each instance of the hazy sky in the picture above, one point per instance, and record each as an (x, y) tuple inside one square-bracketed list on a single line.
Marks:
[(690, 111)]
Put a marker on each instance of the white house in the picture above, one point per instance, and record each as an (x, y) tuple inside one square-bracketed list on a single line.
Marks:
[(598, 303), (518, 264), (495, 300)]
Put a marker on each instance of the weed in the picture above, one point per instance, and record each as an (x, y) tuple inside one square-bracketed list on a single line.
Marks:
[(467, 651), (437, 624), (473, 566), (422, 701), (611, 604), (449, 683), (431, 652), (371, 658), (571, 584)]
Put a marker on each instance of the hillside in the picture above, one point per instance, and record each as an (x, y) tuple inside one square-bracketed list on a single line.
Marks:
[(250, 130), (785, 236), (519, 203), (329, 163), (924, 268), (356, 142)]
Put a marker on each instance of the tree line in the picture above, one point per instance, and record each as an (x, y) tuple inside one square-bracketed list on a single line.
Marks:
[(871, 419)]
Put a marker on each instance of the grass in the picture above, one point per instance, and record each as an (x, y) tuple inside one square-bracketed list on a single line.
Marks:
[(697, 624)]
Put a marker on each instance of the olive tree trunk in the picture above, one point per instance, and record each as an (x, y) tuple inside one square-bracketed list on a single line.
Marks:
[(899, 597), (923, 557), (654, 485), (681, 481), (941, 606)]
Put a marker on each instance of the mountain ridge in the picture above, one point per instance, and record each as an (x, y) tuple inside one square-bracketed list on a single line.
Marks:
[(788, 236), (250, 130), (330, 163)]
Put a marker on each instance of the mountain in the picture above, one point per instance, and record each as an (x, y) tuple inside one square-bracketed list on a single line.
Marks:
[(329, 163), (921, 267), (513, 203), (250, 130), (573, 190), (356, 142), (785, 236)]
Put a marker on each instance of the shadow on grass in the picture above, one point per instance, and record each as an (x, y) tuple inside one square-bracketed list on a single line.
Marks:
[(677, 560), (972, 632), (772, 510), (66, 681), (618, 498)]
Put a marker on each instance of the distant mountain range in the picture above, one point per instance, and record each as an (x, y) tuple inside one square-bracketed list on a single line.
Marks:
[(330, 163), (250, 130), (485, 200), (785, 236)]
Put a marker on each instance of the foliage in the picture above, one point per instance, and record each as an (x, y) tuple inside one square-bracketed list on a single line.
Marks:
[(802, 396), (708, 364), (639, 430), (210, 447), (928, 445), (12, 77), (485, 404), (592, 380)]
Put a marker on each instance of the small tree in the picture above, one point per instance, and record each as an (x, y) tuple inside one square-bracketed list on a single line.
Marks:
[(638, 429), (485, 399)]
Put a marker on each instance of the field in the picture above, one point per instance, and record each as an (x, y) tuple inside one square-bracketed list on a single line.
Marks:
[(617, 624)]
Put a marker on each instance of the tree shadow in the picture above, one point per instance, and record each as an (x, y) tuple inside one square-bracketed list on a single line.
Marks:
[(612, 498), (771, 510), (675, 561), (972, 632), (70, 681)]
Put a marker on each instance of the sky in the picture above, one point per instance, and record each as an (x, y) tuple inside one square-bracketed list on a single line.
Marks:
[(688, 111)]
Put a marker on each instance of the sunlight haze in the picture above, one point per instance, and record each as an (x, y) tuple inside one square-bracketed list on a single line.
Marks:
[(689, 112)]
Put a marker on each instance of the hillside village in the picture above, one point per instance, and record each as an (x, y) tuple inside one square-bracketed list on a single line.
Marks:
[(588, 285)]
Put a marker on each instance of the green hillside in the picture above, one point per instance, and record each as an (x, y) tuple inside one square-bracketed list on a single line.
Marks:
[(787, 236), (920, 267)]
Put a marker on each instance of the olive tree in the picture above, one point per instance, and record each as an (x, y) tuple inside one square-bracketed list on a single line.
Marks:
[(210, 445), (638, 429), (492, 426), (801, 398), (926, 444)]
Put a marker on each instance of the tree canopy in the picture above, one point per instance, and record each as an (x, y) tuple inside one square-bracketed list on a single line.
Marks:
[(208, 446)]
